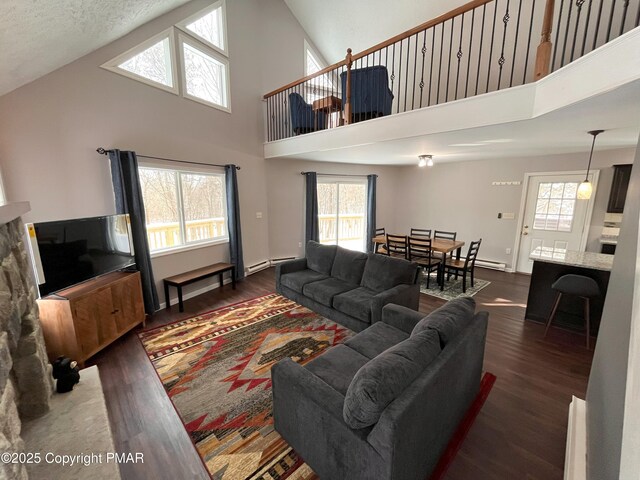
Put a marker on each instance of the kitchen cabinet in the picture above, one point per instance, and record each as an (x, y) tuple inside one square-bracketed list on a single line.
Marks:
[(619, 186)]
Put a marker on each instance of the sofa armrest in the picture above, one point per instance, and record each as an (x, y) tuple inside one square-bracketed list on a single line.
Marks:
[(289, 266), (292, 380), (307, 413), (402, 318), (405, 295)]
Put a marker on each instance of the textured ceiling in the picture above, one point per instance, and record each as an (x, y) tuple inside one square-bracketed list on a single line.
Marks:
[(39, 36), (334, 25)]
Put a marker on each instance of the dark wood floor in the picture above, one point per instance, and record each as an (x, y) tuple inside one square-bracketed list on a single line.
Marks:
[(520, 432)]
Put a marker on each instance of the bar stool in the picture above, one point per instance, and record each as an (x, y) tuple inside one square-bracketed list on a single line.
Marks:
[(577, 285)]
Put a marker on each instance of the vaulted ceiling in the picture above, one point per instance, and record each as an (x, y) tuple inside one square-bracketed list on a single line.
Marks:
[(37, 37), (335, 25)]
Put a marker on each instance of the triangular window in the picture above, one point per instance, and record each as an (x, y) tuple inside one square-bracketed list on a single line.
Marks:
[(152, 62), (208, 26)]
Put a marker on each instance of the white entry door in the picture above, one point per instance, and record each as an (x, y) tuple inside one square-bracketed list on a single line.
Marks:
[(553, 216)]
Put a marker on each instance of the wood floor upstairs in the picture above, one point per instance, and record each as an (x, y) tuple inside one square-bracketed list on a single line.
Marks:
[(520, 432)]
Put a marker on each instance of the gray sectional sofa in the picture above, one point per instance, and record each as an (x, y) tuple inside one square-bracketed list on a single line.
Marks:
[(346, 286), (384, 404)]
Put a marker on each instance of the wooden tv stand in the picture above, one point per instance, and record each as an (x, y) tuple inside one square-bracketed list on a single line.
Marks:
[(81, 320)]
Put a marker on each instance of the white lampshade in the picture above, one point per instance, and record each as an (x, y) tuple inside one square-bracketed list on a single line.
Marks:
[(584, 190), (430, 162), (422, 162)]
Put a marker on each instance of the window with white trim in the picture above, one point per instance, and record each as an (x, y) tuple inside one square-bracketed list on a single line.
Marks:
[(342, 213), (183, 208), (198, 51), (317, 87)]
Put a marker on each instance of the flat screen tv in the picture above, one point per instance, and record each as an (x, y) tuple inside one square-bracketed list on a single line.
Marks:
[(73, 251)]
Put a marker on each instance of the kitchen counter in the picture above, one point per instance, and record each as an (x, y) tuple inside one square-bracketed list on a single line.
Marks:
[(596, 261), (609, 240), (549, 264)]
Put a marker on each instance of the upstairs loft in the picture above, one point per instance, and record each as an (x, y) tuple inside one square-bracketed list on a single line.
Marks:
[(453, 82)]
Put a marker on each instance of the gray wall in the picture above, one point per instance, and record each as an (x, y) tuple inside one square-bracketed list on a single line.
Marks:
[(50, 128), (608, 380), (472, 203), (286, 199)]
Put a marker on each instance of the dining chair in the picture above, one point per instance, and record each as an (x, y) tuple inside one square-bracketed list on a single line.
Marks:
[(420, 232), (380, 247), (396, 246), (464, 266), (421, 253), (445, 235)]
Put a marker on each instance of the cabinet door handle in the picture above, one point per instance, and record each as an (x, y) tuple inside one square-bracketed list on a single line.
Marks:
[(115, 311)]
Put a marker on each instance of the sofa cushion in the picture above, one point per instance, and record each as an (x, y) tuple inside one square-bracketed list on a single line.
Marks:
[(377, 338), (384, 378), (297, 280), (323, 291), (448, 320), (320, 257), (337, 366), (356, 303), (382, 273), (348, 265)]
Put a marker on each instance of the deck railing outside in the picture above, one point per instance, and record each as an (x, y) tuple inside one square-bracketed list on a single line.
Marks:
[(350, 229), (480, 47), (167, 235)]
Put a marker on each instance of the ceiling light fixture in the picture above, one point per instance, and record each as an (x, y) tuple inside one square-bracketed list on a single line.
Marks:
[(425, 160), (586, 189)]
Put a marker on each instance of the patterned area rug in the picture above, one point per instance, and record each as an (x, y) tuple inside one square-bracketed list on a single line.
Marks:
[(216, 369), (452, 288)]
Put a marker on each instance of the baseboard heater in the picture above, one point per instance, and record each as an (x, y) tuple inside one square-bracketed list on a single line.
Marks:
[(491, 264), (265, 264)]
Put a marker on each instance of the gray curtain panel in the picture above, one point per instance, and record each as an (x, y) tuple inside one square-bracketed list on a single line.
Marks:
[(311, 206), (128, 196), (371, 210), (233, 214)]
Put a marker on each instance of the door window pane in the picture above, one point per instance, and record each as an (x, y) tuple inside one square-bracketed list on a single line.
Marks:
[(342, 214), (161, 207), (555, 206), (328, 212)]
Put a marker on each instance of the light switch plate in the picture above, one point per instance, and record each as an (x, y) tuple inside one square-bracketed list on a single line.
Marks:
[(258, 214)]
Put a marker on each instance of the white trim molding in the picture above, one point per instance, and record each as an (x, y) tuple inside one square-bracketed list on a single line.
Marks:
[(575, 466)]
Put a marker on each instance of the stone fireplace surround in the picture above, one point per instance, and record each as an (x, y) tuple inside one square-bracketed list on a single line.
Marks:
[(26, 384)]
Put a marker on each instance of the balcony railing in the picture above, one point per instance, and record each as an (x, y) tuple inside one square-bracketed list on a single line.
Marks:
[(480, 47), (168, 235)]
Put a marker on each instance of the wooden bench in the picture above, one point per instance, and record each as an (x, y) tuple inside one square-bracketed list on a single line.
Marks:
[(186, 278)]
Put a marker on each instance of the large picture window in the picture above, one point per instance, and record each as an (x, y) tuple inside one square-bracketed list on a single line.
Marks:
[(183, 208)]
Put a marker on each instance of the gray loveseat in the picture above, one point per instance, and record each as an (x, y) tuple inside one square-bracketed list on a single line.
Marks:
[(384, 405), (346, 286)]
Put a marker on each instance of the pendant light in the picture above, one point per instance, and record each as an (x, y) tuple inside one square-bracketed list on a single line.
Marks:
[(586, 189)]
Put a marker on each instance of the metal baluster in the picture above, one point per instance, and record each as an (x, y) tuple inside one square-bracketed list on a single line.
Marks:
[(555, 43), (446, 96), (579, 4), (625, 7), (400, 78), (415, 66), (424, 51), (433, 49), (406, 75), (501, 60), (566, 35), (459, 56), (586, 28), (393, 68), (440, 63), (595, 37), (515, 43), (493, 31), (484, 11), (613, 7), (466, 83), (526, 58)]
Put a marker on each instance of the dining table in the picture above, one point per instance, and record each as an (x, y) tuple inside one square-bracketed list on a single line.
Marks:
[(444, 246)]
